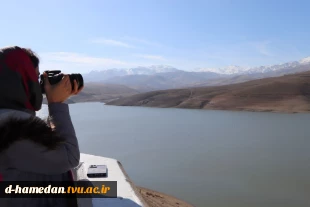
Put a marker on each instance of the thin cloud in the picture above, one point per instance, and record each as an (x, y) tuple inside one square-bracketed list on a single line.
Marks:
[(77, 62), (215, 57), (263, 48), (143, 41), (150, 57), (111, 42), (79, 58)]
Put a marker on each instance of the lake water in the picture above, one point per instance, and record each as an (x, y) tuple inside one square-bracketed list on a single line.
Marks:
[(207, 158)]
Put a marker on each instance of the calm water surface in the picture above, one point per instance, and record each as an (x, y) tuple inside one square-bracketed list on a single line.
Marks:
[(207, 158)]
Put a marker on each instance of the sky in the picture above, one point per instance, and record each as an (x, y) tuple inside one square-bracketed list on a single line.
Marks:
[(80, 36)]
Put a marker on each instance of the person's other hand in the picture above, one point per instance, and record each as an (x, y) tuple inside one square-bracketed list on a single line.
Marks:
[(60, 92), (76, 89)]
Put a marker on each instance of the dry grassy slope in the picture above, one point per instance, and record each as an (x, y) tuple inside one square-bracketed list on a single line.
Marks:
[(289, 93)]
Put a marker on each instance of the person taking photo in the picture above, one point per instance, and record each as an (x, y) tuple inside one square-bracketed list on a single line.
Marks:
[(32, 149)]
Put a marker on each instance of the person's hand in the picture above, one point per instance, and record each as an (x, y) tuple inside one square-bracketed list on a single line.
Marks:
[(60, 92)]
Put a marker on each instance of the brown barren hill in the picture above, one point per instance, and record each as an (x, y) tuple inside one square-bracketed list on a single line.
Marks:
[(288, 93)]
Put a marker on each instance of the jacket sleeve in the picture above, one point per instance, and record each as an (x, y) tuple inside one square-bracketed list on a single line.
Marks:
[(59, 116), (30, 157)]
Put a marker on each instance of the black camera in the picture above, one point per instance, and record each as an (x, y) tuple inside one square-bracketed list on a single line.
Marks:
[(55, 76)]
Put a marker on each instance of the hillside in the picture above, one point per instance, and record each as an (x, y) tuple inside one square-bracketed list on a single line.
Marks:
[(288, 93), (99, 92)]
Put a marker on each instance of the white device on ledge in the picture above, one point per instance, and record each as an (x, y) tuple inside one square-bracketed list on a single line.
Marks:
[(97, 171)]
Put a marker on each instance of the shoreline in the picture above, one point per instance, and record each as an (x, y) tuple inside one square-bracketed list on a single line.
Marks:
[(224, 109), (157, 199), (153, 198), (206, 109)]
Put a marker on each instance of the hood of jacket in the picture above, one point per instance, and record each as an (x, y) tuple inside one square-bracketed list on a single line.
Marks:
[(18, 125), (19, 85)]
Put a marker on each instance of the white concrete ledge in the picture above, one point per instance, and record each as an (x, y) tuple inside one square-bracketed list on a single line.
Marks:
[(127, 193)]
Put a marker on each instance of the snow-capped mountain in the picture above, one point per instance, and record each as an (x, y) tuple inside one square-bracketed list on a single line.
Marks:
[(272, 68), (232, 69), (238, 70), (116, 72), (305, 60), (138, 70), (150, 70)]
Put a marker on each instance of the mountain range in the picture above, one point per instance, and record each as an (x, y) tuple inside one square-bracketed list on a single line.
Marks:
[(237, 70), (113, 84), (161, 77)]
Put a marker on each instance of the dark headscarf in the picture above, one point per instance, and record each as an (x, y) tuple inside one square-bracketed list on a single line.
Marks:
[(19, 84)]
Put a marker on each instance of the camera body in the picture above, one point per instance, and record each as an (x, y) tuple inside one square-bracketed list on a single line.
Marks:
[(55, 76)]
